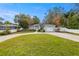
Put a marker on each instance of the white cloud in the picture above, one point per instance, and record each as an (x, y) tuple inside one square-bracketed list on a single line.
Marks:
[(8, 14)]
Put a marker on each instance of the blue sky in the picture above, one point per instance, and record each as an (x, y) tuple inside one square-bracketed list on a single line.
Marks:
[(9, 10)]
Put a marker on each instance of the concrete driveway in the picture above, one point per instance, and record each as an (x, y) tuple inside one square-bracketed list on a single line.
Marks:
[(63, 35), (6, 37), (67, 36)]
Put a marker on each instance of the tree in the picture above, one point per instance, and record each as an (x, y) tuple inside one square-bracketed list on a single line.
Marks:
[(23, 23), (7, 22), (59, 17), (72, 19), (55, 16), (36, 20), (53, 13), (7, 28), (22, 20), (30, 20), (57, 20), (16, 18)]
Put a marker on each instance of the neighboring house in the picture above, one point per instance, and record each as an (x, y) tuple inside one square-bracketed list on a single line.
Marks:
[(12, 27), (49, 28), (3, 27), (34, 27)]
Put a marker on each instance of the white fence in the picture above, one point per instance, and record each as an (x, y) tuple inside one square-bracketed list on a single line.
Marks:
[(70, 30)]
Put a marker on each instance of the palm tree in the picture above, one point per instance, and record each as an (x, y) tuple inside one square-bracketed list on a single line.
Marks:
[(7, 27)]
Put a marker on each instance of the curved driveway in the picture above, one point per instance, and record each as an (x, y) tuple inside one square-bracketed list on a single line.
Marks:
[(63, 35)]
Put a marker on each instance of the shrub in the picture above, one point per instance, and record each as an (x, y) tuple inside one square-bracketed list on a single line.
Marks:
[(6, 32), (41, 30), (30, 30)]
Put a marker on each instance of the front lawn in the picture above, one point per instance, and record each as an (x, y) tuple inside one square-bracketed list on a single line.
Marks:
[(39, 45)]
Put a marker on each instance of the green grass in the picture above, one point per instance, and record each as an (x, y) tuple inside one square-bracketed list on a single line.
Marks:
[(39, 45)]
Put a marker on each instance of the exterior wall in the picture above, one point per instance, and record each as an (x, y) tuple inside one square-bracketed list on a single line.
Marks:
[(3, 27), (35, 27), (49, 28), (12, 31), (31, 27), (12, 28)]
